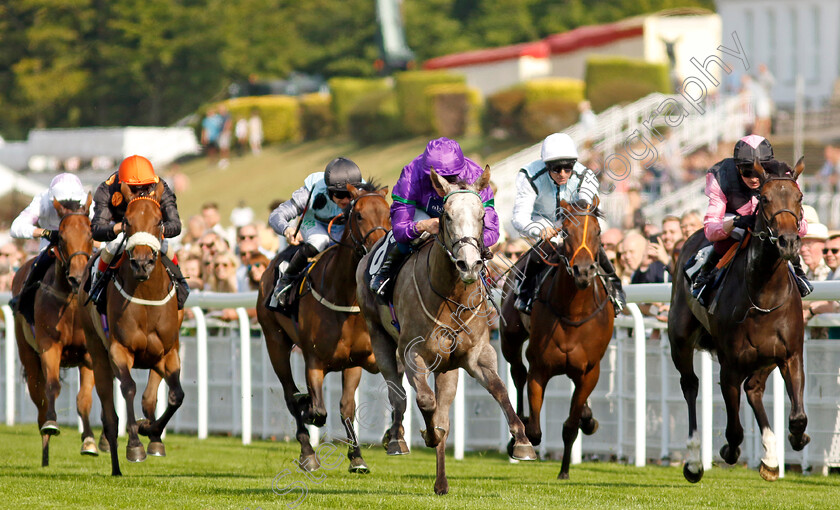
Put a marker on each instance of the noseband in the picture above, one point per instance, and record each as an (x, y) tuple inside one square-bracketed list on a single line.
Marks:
[(59, 253), (452, 247), (766, 233)]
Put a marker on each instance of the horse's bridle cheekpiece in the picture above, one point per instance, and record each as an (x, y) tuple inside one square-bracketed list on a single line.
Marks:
[(767, 232)]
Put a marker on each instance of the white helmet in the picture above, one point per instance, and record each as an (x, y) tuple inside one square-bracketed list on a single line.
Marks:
[(67, 187), (558, 146)]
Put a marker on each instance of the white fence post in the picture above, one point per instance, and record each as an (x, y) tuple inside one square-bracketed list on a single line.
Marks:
[(120, 406), (245, 358), (201, 369), (11, 353), (460, 415), (641, 383), (779, 418), (409, 406), (706, 403)]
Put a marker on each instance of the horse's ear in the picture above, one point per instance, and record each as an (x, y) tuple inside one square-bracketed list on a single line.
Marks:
[(127, 194), (484, 180), (354, 191), (759, 169), (596, 201), (800, 166), (564, 205), (441, 186), (159, 191), (383, 192), (88, 202), (58, 207)]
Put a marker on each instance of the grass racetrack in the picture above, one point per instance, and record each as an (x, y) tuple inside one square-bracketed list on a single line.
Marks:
[(220, 472)]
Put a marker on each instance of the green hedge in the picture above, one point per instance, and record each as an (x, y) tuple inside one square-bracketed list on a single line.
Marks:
[(411, 92), (280, 115), (346, 92), (316, 116), (534, 109), (455, 109), (375, 118), (502, 111), (616, 80)]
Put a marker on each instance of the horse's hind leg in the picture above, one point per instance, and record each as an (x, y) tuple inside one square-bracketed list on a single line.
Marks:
[(279, 348), (316, 412), (84, 399), (350, 378), (446, 384), (485, 370), (50, 366), (583, 388), (730, 387), (172, 374), (149, 405), (35, 383), (754, 388), (793, 373), (682, 354)]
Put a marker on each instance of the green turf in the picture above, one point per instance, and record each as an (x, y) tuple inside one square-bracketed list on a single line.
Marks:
[(221, 473)]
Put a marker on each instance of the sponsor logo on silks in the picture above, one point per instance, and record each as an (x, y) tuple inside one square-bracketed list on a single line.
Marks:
[(434, 207)]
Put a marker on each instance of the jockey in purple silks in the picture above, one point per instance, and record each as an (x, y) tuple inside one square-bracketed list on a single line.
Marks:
[(417, 206)]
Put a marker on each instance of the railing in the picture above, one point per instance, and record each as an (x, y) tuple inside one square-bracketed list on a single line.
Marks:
[(231, 389)]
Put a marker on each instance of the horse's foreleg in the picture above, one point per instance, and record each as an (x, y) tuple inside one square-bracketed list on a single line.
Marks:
[(583, 388), (50, 366), (793, 372), (122, 361), (350, 378), (35, 383), (512, 351), (148, 426), (446, 384), (84, 400), (104, 381), (484, 370), (172, 374), (316, 414), (416, 371), (682, 354), (754, 388), (730, 387)]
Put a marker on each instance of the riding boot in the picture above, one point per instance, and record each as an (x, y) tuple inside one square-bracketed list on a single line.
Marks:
[(616, 291), (182, 288), (25, 301), (382, 283), (802, 282), (282, 291), (98, 281), (525, 296), (707, 275)]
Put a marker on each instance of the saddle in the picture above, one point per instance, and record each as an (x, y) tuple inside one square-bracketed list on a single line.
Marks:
[(300, 282), (380, 252)]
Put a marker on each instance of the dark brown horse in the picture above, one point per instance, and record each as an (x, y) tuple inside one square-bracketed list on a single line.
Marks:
[(329, 330), (443, 314), (143, 322), (570, 326), (757, 326), (56, 339)]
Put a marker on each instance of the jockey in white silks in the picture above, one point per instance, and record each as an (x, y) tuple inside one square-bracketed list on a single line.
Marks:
[(40, 220), (322, 197), (540, 187)]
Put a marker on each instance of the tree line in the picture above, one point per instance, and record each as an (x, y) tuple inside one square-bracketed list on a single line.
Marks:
[(68, 63)]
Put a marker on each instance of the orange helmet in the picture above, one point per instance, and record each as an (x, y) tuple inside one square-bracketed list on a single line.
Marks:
[(135, 170)]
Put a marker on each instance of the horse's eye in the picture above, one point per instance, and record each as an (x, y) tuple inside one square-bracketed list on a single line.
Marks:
[(763, 199), (359, 216)]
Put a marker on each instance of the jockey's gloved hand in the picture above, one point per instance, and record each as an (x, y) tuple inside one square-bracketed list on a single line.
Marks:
[(744, 222), (50, 235)]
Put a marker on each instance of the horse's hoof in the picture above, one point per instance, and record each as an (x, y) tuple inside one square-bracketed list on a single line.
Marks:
[(309, 463), (397, 447), (589, 427), (728, 455), (799, 444), (433, 439), (358, 466), (768, 473), (442, 488), (692, 476), (135, 453), (319, 420), (386, 438), (563, 476), (156, 449), (104, 447), (523, 451), (50, 428), (89, 447)]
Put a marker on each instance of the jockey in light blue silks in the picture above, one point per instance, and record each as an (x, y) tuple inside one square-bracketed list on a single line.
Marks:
[(417, 206), (540, 187), (322, 197)]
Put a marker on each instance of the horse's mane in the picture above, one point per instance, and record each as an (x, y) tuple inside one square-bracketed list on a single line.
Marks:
[(582, 205), (71, 205), (369, 186)]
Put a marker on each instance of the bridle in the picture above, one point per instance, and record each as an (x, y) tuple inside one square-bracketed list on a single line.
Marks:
[(142, 238), (583, 246), (453, 245), (59, 253), (359, 240), (766, 233)]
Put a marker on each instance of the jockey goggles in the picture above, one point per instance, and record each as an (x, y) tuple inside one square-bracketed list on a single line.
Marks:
[(560, 165)]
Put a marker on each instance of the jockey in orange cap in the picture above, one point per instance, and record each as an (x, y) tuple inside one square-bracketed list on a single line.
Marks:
[(109, 209)]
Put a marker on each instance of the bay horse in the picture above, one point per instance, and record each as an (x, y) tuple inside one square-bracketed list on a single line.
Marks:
[(757, 326), (443, 315), (570, 326), (56, 339), (331, 334), (143, 322)]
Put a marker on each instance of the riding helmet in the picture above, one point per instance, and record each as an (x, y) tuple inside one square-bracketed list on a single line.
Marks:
[(137, 170), (445, 156), (750, 147), (340, 172), (558, 146), (67, 187)]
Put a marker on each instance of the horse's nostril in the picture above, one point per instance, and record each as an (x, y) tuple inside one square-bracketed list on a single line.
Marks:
[(461, 265)]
